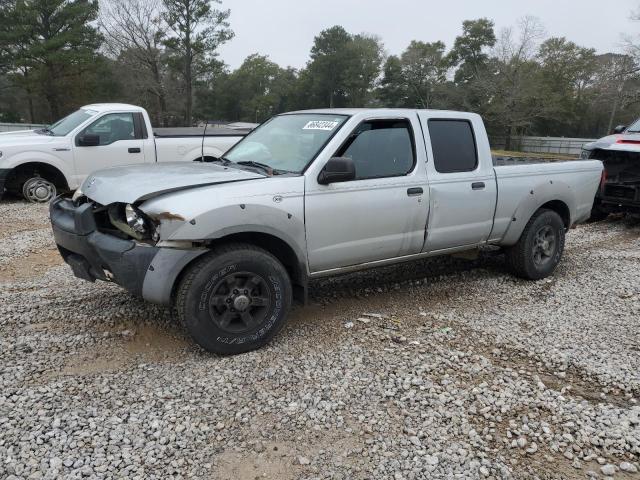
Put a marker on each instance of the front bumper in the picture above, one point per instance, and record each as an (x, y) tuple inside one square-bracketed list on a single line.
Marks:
[(93, 255)]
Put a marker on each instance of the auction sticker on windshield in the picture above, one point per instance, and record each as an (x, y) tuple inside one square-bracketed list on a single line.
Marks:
[(320, 125)]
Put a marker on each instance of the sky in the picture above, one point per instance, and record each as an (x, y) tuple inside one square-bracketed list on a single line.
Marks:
[(284, 29)]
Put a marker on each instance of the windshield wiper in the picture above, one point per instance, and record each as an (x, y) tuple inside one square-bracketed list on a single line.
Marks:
[(46, 131), (263, 166)]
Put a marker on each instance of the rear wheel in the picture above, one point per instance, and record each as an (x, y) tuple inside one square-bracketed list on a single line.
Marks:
[(234, 299), (39, 190), (540, 247)]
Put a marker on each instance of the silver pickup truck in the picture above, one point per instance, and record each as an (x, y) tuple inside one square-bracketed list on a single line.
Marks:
[(310, 194)]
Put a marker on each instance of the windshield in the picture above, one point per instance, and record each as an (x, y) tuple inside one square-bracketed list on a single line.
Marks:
[(287, 142), (70, 122), (635, 127)]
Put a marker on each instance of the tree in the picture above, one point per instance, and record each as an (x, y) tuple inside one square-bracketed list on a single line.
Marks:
[(343, 68), (255, 91), (328, 66), (469, 52), (473, 66), (393, 91), (364, 54), (198, 30), (134, 31), (517, 101), (567, 71), (423, 69), (49, 44)]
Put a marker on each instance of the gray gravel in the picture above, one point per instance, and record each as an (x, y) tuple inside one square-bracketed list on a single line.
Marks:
[(440, 369)]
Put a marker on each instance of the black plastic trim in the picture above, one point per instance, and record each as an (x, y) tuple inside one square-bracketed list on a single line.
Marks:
[(90, 252)]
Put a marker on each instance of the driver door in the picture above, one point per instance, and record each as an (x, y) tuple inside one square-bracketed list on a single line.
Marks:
[(120, 143), (379, 215)]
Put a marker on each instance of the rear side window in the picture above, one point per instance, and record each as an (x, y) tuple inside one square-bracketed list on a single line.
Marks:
[(454, 146), (380, 148)]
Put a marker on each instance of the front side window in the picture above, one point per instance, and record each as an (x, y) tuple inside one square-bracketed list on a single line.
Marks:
[(288, 142), (70, 122), (380, 148), (454, 146), (112, 128)]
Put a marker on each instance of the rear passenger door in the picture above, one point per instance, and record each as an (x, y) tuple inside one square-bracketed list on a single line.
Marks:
[(462, 187)]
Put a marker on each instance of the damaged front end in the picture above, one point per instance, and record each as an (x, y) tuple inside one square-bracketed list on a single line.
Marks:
[(620, 187), (117, 243)]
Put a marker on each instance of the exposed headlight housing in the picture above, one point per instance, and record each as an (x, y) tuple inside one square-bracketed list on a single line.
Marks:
[(128, 219), (135, 220), (77, 194)]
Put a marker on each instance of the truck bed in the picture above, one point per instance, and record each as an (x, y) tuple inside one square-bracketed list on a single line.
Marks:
[(184, 132)]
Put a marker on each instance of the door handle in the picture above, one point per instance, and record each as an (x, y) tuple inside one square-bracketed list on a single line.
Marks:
[(477, 185), (134, 150), (415, 191)]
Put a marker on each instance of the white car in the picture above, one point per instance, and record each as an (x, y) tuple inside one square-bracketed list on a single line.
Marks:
[(40, 163)]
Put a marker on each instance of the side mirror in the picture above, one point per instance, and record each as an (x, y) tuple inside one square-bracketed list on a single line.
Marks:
[(620, 129), (89, 140), (337, 169)]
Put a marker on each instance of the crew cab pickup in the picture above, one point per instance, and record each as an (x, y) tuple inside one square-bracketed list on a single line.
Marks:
[(39, 163), (620, 188), (310, 194)]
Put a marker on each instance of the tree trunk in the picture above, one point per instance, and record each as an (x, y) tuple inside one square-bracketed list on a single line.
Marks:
[(188, 93), (507, 139), (27, 88), (163, 109), (614, 108), (51, 95)]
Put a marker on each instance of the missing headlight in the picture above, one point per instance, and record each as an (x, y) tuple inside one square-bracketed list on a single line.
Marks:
[(128, 219)]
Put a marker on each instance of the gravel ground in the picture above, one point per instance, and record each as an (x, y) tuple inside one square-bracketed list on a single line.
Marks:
[(441, 369)]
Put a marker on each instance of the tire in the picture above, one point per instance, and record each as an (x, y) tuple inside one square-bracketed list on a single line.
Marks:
[(540, 247), (39, 190), (234, 299)]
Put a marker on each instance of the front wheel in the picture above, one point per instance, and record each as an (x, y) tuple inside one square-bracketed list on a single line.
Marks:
[(234, 299), (540, 247), (39, 190)]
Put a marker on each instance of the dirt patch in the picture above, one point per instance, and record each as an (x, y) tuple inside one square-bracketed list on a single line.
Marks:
[(129, 345), (32, 266), (9, 230), (274, 463)]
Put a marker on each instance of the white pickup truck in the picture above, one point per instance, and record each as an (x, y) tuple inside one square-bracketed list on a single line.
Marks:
[(310, 194), (40, 163)]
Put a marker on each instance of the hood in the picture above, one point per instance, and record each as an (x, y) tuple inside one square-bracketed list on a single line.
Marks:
[(26, 138), (140, 182), (625, 142)]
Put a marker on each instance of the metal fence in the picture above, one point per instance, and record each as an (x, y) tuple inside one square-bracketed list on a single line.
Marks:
[(12, 127), (557, 145)]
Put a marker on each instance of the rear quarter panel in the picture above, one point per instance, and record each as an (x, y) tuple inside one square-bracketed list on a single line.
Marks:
[(523, 189)]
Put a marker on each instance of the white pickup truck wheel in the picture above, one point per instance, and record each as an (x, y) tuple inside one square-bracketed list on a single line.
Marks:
[(234, 299), (539, 250), (39, 190)]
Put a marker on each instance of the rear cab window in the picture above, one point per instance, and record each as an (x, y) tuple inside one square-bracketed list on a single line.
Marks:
[(454, 145)]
